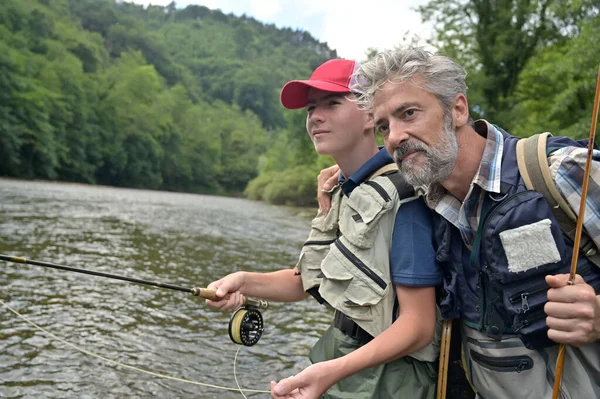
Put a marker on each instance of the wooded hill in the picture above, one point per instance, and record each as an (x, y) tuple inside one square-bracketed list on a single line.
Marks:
[(107, 92)]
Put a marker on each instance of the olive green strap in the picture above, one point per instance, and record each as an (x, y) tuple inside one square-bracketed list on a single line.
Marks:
[(532, 160)]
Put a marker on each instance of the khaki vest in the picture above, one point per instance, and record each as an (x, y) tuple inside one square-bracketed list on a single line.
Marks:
[(347, 257)]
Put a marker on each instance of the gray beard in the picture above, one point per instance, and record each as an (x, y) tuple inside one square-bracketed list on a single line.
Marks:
[(439, 163)]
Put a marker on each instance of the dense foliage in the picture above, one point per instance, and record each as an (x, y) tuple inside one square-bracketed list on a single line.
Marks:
[(108, 92), (532, 64)]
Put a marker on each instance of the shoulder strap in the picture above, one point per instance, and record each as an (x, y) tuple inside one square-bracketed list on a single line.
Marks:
[(533, 166), (391, 171), (404, 189), (390, 167)]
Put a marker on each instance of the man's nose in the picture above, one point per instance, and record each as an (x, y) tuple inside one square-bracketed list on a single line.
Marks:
[(396, 136)]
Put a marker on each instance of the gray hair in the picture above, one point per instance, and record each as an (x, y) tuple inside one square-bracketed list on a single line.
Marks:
[(442, 76)]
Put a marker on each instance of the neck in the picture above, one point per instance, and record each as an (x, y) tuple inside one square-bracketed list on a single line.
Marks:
[(355, 157), (470, 151)]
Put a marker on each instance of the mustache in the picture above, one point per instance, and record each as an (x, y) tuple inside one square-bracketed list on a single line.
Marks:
[(406, 147)]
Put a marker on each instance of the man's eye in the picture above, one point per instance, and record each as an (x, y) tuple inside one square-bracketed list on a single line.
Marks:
[(310, 108), (410, 112), (383, 129), (334, 102)]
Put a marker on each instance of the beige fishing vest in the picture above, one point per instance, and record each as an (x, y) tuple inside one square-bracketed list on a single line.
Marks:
[(347, 253)]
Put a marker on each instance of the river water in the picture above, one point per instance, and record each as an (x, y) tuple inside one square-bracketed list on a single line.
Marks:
[(182, 239)]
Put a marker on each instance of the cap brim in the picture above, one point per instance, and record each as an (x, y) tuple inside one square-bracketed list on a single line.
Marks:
[(294, 94)]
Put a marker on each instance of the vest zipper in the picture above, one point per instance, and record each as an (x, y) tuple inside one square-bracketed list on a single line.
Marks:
[(360, 265), (316, 242), (485, 284), (540, 287), (503, 364), (379, 189), (524, 295)]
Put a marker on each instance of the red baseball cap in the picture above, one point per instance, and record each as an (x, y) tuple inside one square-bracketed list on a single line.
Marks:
[(335, 76)]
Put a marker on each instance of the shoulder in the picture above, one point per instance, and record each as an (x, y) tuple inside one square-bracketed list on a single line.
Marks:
[(415, 213), (571, 160), (397, 187)]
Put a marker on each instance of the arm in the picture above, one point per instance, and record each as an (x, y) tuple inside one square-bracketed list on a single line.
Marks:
[(573, 311), (413, 330), (414, 271), (280, 286), (326, 180)]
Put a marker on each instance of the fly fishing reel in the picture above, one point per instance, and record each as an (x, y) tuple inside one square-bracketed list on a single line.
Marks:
[(246, 326)]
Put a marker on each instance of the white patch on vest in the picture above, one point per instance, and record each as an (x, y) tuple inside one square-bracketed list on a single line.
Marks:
[(529, 246)]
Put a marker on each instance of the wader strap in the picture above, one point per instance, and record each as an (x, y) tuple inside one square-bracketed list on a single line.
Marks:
[(532, 160), (444, 357)]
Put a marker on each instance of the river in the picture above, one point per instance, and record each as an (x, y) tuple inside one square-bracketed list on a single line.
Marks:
[(183, 239)]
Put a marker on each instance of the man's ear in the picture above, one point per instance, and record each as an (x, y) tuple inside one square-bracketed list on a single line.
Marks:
[(370, 121), (460, 111)]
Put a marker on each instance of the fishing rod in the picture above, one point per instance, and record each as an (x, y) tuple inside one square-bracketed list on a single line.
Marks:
[(560, 361), (245, 326)]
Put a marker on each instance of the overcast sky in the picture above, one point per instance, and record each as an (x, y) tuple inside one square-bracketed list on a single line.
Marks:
[(346, 26)]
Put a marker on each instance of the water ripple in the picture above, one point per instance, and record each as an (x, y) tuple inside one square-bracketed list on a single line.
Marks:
[(182, 239)]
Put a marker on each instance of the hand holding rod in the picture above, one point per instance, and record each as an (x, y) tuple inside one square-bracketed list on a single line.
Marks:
[(212, 295), (201, 292), (584, 190)]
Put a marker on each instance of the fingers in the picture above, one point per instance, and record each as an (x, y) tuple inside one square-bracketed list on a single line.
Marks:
[(573, 311), (285, 387), (562, 292), (569, 332), (233, 302), (561, 280), (227, 289), (326, 180)]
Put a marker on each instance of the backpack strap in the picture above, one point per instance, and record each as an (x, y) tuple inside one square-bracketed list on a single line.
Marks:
[(390, 167), (532, 161), (404, 189)]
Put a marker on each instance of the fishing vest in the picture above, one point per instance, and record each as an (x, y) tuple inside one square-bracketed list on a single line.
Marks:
[(345, 261), (518, 243)]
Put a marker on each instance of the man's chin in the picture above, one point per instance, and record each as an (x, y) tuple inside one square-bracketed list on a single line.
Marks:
[(412, 178)]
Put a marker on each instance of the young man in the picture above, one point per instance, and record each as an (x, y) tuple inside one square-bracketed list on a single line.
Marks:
[(371, 259), (506, 256)]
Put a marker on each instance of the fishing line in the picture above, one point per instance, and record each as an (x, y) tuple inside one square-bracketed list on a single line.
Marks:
[(114, 362)]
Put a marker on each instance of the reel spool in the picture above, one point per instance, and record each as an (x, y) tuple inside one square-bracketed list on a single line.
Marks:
[(246, 326)]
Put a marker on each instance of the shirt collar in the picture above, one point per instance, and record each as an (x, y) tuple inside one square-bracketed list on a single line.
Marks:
[(377, 161), (487, 176)]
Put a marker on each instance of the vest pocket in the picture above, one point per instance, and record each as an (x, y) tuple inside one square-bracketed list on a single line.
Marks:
[(522, 238), (503, 364), (350, 285), (504, 369), (309, 262), (365, 206), (524, 303)]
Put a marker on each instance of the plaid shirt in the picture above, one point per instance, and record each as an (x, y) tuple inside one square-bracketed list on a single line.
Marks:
[(567, 167)]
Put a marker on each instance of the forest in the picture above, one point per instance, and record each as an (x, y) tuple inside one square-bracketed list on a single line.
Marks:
[(187, 99)]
